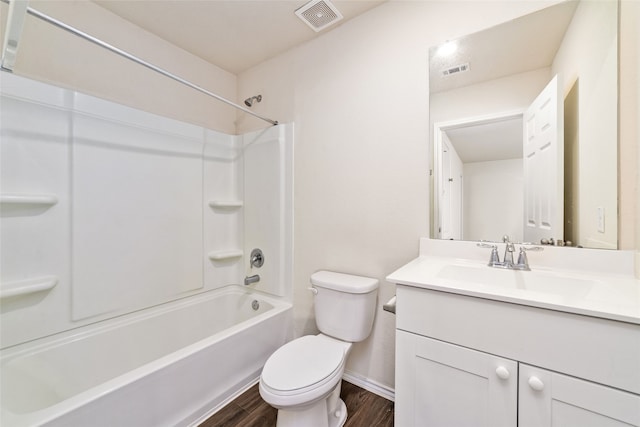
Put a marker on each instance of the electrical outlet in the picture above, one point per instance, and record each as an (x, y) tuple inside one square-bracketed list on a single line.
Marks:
[(600, 219)]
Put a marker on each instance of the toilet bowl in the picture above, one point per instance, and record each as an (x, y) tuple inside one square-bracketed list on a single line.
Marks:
[(302, 379)]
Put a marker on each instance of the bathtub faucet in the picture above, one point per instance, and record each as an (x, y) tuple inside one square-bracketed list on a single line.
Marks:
[(251, 279)]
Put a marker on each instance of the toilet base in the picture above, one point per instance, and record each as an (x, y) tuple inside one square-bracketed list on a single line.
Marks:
[(328, 412), (342, 417), (315, 415)]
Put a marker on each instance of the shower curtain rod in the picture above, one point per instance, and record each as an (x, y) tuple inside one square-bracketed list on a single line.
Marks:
[(120, 52)]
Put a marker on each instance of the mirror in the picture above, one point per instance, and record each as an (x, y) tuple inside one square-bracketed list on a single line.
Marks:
[(486, 182)]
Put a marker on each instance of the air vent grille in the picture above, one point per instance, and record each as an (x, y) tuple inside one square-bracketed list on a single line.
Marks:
[(455, 70), (319, 14)]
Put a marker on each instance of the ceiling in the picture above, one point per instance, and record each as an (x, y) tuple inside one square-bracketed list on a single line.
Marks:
[(514, 47), (235, 35), (496, 140)]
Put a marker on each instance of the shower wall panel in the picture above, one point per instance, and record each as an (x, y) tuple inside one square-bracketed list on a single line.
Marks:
[(35, 233), (107, 210), (137, 209), (267, 159), (224, 209)]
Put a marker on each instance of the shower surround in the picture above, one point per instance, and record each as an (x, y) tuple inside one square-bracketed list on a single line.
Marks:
[(108, 210)]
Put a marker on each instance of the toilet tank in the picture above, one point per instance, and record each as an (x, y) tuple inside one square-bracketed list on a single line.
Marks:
[(345, 305)]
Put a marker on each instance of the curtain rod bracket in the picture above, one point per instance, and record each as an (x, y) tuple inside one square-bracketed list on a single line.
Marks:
[(15, 22)]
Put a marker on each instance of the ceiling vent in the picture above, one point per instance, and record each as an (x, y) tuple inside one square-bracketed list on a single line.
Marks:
[(455, 70), (319, 14)]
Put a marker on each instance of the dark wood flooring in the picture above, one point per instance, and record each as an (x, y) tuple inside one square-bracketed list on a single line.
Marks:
[(364, 409)]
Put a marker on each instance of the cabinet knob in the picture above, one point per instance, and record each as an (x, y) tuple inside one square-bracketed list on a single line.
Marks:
[(502, 373), (536, 384)]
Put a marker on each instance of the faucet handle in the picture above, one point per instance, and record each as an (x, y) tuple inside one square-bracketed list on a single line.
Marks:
[(494, 259), (523, 262), (531, 248), (483, 244)]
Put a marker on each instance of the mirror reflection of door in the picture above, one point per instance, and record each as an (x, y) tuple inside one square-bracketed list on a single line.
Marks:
[(452, 191), (543, 147)]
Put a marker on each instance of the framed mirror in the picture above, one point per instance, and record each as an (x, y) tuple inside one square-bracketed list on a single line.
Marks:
[(524, 120)]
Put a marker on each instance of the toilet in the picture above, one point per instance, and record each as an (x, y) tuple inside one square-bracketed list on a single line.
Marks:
[(302, 378)]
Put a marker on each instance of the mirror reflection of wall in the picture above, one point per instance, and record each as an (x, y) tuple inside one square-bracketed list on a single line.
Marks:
[(500, 71)]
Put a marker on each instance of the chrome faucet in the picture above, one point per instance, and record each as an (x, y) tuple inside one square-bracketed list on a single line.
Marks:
[(494, 260), (251, 279), (507, 262), (523, 261), (257, 258), (508, 252)]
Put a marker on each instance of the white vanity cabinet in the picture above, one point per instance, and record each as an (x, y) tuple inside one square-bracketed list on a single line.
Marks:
[(440, 384), (551, 399), (468, 361)]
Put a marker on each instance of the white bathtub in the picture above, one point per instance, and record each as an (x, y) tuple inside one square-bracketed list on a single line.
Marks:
[(166, 366)]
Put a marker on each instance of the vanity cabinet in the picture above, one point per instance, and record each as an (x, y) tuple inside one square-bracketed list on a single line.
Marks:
[(440, 384), (548, 398), (467, 361)]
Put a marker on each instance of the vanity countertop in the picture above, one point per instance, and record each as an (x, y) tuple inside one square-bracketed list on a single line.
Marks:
[(592, 282)]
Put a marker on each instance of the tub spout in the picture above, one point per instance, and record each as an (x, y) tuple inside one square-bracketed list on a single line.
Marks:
[(251, 279)]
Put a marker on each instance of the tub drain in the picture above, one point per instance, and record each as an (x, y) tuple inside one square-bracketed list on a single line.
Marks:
[(255, 304)]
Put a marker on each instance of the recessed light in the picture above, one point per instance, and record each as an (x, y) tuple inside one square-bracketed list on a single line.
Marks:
[(448, 48)]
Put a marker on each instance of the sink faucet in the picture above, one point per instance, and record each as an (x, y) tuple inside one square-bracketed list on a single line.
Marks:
[(494, 260), (523, 262), (507, 262), (508, 251)]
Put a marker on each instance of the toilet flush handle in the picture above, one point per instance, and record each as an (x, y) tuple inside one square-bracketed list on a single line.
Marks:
[(313, 291)]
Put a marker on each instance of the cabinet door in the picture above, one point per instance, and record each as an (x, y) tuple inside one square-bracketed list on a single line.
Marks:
[(552, 399), (444, 385)]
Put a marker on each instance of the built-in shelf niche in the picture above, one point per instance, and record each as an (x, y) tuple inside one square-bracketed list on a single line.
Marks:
[(26, 287), (226, 204), (28, 199), (225, 255), (20, 201)]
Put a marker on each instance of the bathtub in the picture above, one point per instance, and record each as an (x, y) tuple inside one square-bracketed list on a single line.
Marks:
[(170, 365)]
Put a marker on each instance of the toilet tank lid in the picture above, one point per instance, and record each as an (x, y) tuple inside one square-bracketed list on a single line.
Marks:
[(344, 282)]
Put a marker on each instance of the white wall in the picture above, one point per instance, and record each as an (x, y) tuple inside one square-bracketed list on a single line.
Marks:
[(493, 200), (506, 94), (630, 124), (588, 55), (359, 98)]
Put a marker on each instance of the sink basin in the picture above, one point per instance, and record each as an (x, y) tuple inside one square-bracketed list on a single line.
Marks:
[(531, 281), (592, 282)]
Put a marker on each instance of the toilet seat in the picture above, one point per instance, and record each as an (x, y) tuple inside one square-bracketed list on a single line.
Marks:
[(303, 370)]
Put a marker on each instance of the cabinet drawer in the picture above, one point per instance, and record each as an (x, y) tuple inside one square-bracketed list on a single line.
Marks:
[(599, 350)]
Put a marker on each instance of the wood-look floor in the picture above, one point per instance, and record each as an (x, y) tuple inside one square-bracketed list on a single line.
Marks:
[(364, 409)]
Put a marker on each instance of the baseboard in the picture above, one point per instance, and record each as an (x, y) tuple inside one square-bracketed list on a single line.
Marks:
[(370, 385)]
